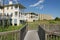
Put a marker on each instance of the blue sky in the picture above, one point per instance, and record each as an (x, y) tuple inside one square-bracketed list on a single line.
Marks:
[(51, 7)]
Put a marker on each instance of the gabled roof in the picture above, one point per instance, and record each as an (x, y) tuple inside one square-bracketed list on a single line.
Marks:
[(1, 6), (32, 13), (21, 6)]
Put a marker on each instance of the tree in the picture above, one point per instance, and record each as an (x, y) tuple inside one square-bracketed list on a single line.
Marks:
[(57, 19)]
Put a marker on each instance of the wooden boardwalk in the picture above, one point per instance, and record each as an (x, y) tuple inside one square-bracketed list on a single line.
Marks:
[(32, 35)]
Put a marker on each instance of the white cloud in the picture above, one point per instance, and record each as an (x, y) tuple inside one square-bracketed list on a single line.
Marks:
[(16, 1), (40, 7), (36, 4)]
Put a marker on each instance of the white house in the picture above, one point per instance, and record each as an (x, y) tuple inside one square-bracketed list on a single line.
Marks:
[(45, 17), (31, 17), (14, 11)]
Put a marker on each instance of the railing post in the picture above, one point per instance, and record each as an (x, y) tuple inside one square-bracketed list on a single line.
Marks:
[(46, 35), (58, 37), (23, 32), (1, 37)]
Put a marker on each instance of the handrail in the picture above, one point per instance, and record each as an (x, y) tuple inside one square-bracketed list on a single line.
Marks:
[(8, 32)]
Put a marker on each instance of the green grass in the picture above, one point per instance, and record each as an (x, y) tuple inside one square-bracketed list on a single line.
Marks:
[(11, 36), (31, 25), (48, 22), (34, 25), (11, 28)]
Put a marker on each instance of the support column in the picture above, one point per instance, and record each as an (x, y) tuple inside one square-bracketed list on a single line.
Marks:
[(13, 18), (18, 22), (13, 22)]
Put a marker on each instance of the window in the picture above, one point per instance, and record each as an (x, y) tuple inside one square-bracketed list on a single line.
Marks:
[(11, 7), (15, 21), (19, 14), (16, 13), (11, 14), (10, 21), (7, 8), (0, 14), (16, 7), (7, 14), (31, 16), (4, 14)]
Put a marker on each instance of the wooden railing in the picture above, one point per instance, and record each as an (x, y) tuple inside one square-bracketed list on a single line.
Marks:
[(41, 33), (49, 32), (14, 35)]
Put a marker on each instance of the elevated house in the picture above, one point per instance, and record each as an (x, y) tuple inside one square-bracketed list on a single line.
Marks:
[(31, 17), (4, 20), (13, 11)]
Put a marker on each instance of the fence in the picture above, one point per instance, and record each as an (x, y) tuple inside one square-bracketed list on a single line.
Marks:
[(14, 35), (52, 37), (41, 33), (49, 32)]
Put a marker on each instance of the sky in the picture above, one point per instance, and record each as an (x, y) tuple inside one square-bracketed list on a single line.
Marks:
[(51, 7)]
